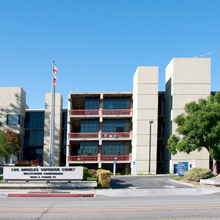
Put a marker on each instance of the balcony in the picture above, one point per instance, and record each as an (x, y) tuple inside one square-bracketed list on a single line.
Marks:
[(101, 112), (104, 135), (99, 159)]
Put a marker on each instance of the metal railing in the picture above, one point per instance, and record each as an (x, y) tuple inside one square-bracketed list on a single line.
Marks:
[(35, 162), (116, 158), (20, 161), (83, 135), (100, 135), (100, 112), (100, 158)]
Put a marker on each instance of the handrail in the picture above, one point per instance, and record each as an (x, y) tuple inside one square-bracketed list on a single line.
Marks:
[(100, 112), (100, 158), (38, 161), (100, 135), (20, 161)]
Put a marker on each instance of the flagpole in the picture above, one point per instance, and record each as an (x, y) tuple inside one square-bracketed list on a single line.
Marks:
[(52, 122)]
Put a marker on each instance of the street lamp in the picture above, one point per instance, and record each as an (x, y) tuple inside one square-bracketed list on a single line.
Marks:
[(150, 122)]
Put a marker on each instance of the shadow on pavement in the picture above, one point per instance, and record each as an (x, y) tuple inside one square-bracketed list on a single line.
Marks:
[(119, 184)]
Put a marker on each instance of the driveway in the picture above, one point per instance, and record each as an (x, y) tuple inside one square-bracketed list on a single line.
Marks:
[(145, 182)]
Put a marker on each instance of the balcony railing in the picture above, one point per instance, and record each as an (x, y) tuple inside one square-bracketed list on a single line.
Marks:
[(115, 134), (35, 162), (115, 158), (100, 135), (100, 158), (101, 112), (83, 135), (82, 158)]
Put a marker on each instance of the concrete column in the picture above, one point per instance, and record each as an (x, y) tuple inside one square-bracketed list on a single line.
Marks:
[(187, 79), (58, 128), (145, 109)]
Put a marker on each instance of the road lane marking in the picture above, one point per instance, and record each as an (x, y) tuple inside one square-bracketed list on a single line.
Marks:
[(111, 209)]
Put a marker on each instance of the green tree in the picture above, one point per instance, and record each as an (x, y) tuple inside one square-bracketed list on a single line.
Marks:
[(198, 128), (10, 143)]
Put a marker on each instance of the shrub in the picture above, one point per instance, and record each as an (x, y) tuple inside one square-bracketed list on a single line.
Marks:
[(23, 164), (104, 178), (197, 173), (86, 173), (93, 173)]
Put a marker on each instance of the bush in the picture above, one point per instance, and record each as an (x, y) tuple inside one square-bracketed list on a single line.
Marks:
[(93, 173), (197, 173), (86, 173), (23, 164), (104, 178)]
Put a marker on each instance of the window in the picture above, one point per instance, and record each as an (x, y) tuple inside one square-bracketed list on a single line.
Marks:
[(13, 119), (91, 103), (88, 148), (116, 103), (89, 126), (64, 119), (34, 120), (116, 148), (116, 126), (34, 138)]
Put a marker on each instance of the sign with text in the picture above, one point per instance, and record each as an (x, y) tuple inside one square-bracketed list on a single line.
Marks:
[(43, 173), (182, 167), (192, 164)]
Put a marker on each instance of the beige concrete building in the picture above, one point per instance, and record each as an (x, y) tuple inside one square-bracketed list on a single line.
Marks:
[(99, 129), (12, 111), (187, 79)]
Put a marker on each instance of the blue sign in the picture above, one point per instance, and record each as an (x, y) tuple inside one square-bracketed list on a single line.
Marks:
[(182, 167), (114, 163), (11, 161), (175, 168), (133, 162)]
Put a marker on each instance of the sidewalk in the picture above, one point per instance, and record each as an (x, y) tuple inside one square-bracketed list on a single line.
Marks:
[(110, 192), (211, 181)]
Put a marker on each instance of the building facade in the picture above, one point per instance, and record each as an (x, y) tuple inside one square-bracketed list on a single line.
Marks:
[(101, 128)]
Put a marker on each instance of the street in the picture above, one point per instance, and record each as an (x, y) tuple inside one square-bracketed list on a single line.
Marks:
[(164, 207)]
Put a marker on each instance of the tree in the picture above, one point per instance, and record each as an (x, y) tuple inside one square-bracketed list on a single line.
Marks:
[(198, 128), (10, 143)]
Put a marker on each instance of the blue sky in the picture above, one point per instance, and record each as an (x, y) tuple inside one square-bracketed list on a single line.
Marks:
[(98, 44)]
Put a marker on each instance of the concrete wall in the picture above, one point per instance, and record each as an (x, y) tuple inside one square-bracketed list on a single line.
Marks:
[(12, 102), (58, 128), (187, 79), (145, 109)]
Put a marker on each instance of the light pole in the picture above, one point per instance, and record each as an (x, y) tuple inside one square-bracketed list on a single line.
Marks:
[(150, 122)]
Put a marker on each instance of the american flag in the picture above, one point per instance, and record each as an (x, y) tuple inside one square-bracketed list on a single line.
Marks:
[(54, 69)]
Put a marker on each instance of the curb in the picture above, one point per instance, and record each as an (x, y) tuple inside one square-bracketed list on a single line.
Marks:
[(187, 184), (48, 195)]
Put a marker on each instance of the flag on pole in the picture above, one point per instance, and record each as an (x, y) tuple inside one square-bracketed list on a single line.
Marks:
[(54, 69), (54, 73), (54, 79)]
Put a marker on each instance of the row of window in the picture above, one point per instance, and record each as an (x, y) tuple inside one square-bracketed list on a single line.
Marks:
[(108, 148), (108, 103), (108, 126)]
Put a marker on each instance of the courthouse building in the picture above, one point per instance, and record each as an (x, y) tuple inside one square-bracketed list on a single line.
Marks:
[(100, 128)]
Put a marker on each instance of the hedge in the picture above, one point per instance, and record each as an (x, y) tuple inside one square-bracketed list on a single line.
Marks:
[(197, 173), (23, 164), (104, 178), (86, 173)]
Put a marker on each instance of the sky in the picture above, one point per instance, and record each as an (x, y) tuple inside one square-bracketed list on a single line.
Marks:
[(97, 45)]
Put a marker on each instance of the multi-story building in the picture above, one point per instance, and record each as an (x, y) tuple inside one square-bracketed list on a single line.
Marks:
[(101, 128)]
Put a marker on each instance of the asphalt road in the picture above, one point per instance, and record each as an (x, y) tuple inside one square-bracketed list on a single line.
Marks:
[(145, 182), (169, 207)]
